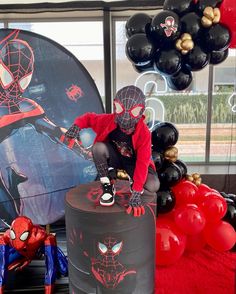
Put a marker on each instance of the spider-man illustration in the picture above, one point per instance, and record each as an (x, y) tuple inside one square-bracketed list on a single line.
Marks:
[(16, 111), (169, 26), (106, 268), (16, 70), (24, 242)]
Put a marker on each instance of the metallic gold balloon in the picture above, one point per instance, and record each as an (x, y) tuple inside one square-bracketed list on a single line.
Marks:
[(198, 182), (186, 36), (210, 16), (122, 174), (206, 22), (171, 154), (209, 12), (194, 178), (178, 44), (216, 15), (189, 178), (187, 44)]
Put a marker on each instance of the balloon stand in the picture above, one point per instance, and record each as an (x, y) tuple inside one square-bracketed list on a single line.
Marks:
[(109, 251)]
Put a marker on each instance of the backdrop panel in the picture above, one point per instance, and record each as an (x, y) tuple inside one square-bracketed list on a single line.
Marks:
[(43, 87)]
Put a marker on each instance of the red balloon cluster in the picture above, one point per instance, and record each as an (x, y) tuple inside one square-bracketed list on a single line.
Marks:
[(195, 221)]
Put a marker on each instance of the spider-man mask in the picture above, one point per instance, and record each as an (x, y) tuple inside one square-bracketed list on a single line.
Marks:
[(129, 105), (20, 232)]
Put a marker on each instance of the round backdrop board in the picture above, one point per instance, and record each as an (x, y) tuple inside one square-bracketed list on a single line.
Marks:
[(43, 89)]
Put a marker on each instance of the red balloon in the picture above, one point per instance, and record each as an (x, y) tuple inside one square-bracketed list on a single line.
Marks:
[(167, 216), (195, 243), (170, 242), (185, 192), (228, 18), (214, 207), (201, 192), (190, 219), (221, 236)]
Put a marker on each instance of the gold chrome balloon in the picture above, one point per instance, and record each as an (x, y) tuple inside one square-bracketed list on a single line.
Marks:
[(210, 16), (185, 43), (171, 154), (122, 174), (194, 178)]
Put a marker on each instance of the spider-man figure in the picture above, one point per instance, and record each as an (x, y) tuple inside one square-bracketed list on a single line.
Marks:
[(16, 70), (24, 242), (106, 268)]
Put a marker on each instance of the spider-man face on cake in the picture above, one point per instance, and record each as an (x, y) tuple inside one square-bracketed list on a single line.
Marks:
[(129, 105)]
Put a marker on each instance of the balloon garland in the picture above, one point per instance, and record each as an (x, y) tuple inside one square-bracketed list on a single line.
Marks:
[(190, 214), (185, 36)]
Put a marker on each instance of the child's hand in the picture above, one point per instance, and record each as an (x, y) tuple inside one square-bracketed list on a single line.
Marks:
[(70, 136), (135, 204), (73, 132)]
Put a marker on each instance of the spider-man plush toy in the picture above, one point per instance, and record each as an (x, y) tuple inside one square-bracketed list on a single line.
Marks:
[(24, 242), (123, 141)]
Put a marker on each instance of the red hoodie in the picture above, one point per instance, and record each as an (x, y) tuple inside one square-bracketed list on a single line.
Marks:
[(104, 124)]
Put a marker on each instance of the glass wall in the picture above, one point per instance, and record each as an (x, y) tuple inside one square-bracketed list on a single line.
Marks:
[(223, 123)]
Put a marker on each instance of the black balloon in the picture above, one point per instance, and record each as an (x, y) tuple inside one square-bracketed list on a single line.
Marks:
[(165, 27), (191, 24), (158, 159), (196, 59), (165, 201), (233, 197), (182, 166), (181, 80), (168, 62), (216, 38), (180, 7), (217, 57), (164, 134), (229, 196), (146, 67), (169, 174), (139, 49), (229, 201), (138, 23), (230, 216), (202, 4)]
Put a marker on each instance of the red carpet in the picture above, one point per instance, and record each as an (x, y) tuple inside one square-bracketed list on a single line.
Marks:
[(207, 271)]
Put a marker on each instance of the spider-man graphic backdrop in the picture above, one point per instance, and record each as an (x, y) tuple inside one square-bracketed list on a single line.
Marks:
[(43, 87)]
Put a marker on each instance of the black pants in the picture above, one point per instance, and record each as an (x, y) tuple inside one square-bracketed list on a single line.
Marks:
[(105, 156)]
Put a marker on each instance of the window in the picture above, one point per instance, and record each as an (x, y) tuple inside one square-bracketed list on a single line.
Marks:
[(223, 126)]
